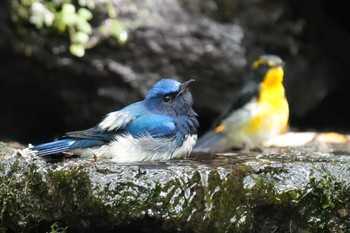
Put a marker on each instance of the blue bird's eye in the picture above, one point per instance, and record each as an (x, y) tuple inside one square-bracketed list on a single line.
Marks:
[(166, 98)]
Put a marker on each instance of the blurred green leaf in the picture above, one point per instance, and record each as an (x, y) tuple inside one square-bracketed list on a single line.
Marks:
[(59, 24), (65, 17), (116, 28), (68, 8), (27, 2), (118, 31), (69, 19), (83, 25), (82, 2), (80, 37), (68, 14), (22, 12), (77, 50), (85, 13)]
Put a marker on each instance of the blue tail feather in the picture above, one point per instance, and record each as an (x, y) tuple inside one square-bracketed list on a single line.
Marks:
[(65, 145), (53, 147)]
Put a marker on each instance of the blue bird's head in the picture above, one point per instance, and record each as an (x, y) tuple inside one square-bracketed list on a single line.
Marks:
[(171, 98)]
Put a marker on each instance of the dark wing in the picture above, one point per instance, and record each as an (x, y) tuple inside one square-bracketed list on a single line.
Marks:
[(93, 133), (209, 140), (249, 91)]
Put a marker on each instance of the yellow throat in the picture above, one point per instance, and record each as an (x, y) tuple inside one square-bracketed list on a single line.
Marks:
[(273, 104), (271, 89)]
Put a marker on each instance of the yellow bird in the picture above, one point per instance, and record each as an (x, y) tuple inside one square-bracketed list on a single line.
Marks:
[(260, 112)]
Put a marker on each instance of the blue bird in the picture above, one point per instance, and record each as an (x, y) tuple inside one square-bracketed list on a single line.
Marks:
[(163, 126)]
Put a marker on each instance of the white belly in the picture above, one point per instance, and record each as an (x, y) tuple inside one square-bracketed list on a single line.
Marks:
[(128, 149)]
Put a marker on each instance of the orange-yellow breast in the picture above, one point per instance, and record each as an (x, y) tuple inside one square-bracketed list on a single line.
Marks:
[(258, 120), (271, 117)]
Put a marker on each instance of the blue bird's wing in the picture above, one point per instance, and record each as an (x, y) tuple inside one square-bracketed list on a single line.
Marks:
[(154, 125), (137, 120), (120, 119)]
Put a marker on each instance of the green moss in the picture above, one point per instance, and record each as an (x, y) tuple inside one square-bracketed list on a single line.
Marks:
[(248, 196), (55, 228), (325, 202), (37, 191), (318, 205)]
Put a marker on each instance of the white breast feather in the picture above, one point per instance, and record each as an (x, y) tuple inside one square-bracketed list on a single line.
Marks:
[(236, 124), (128, 149), (238, 121), (186, 147)]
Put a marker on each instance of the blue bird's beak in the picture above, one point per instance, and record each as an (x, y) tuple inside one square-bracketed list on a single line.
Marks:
[(183, 86)]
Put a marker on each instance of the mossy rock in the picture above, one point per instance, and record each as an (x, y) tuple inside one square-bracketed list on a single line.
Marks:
[(275, 190)]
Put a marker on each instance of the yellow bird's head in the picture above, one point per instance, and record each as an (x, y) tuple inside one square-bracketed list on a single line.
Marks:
[(268, 69)]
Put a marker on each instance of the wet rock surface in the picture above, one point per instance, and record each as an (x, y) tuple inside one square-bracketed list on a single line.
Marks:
[(302, 189), (210, 41)]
